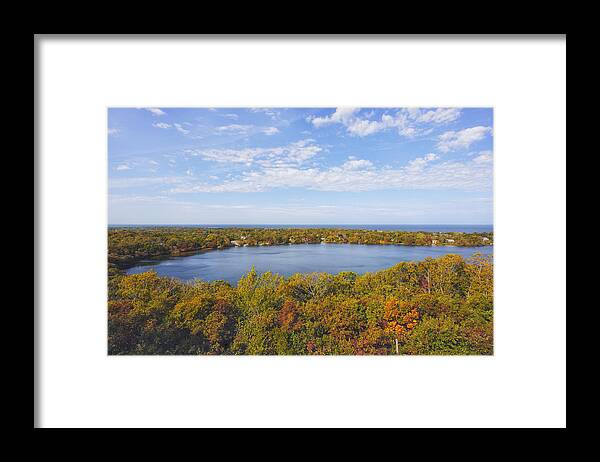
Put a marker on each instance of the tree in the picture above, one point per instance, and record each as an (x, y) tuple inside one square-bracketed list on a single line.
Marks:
[(400, 318), (437, 306)]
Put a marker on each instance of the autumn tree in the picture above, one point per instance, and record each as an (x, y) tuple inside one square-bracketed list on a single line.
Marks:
[(400, 318)]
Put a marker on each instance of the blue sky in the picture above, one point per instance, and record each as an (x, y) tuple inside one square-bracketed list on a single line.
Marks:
[(300, 165)]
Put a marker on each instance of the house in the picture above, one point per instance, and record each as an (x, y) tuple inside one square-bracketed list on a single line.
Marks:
[(236, 243), (449, 240), (433, 241), (485, 239)]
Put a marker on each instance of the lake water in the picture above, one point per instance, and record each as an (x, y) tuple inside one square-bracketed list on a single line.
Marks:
[(231, 263)]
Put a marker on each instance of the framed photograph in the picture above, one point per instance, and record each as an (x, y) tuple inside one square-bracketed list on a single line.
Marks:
[(225, 222), (328, 231)]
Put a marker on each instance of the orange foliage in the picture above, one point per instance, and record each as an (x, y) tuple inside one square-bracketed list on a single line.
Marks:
[(288, 315), (399, 317)]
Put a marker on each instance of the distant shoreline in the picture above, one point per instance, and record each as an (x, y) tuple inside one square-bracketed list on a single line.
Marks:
[(466, 228)]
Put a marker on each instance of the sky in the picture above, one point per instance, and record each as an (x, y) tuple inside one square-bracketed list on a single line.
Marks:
[(300, 165)]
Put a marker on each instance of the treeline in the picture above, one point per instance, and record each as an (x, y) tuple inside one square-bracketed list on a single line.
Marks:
[(129, 245), (440, 306)]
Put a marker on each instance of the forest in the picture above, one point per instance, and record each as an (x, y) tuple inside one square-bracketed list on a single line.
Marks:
[(441, 306), (126, 246)]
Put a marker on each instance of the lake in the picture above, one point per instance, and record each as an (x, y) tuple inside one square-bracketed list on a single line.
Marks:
[(231, 263)]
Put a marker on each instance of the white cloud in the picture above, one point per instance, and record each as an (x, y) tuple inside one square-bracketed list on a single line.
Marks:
[(231, 116), (292, 154), (364, 127), (420, 162), (399, 210), (358, 164), (409, 132), (113, 131), (153, 162), (235, 129), (357, 175), (455, 140), (239, 129), (462, 139), (408, 122), (270, 131), (272, 113), (341, 115), (180, 128), (439, 116), (123, 167), (484, 157), (155, 111)]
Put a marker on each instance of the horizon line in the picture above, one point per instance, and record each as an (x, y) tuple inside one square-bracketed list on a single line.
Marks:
[(300, 224)]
